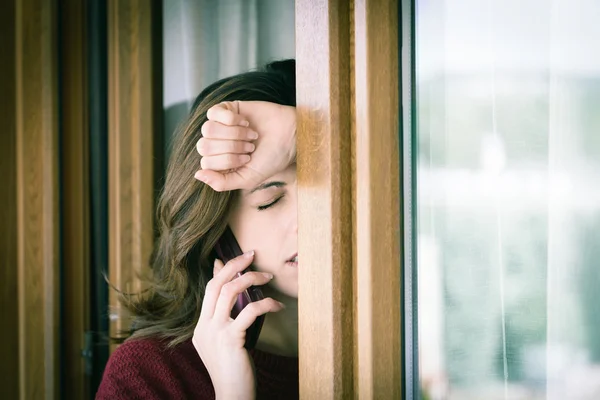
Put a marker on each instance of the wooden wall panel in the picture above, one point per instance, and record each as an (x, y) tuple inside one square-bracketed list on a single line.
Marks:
[(378, 170), (134, 92), (9, 336), (75, 197), (324, 199), (37, 198)]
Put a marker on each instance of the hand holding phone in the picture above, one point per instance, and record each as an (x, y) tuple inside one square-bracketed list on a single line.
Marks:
[(227, 248), (220, 340)]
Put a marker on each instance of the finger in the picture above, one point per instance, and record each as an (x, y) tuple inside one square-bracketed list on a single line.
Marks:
[(223, 162), (217, 266), (217, 130), (253, 310), (208, 302), (221, 182), (227, 113), (213, 287), (231, 290), (212, 147)]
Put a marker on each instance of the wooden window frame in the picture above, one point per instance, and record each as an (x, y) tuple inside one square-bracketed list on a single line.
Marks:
[(9, 266), (349, 176), (325, 223), (44, 240), (135, 124), (75, 201), (37, 167), (378, 205)]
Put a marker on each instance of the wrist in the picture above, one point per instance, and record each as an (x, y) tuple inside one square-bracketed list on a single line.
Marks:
[(233, 395), (232, 390)]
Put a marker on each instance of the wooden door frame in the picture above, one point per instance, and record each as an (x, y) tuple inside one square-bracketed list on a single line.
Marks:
[(44, 240)]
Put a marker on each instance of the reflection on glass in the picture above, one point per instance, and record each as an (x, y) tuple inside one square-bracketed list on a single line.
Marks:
[(508, 198)]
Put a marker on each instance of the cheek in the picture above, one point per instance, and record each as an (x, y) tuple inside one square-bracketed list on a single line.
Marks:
[(256, 231), (271, 233)]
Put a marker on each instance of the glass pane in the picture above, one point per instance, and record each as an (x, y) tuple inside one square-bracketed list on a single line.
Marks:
[(508, 198), (206, 40)]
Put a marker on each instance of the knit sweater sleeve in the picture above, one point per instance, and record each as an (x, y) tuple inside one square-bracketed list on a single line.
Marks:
[(146, 369)]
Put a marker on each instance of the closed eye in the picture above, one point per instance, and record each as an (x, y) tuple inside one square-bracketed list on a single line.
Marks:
[(271, 204)]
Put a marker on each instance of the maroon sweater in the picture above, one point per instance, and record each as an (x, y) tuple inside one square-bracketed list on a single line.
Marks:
[(146, 369)]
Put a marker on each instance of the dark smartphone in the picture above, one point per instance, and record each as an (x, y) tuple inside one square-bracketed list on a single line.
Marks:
[(227, 248)]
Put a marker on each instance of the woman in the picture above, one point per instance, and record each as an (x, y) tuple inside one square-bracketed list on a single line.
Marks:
[(184, 343)]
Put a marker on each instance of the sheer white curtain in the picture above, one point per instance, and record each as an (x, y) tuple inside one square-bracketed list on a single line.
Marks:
[(205, 40), (509, 198)]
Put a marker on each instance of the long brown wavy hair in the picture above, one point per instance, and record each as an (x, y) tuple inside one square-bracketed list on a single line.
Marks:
[(191, 216)]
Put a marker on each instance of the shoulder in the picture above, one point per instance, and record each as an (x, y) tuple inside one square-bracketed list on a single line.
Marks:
[(141, 355), (149, 369)]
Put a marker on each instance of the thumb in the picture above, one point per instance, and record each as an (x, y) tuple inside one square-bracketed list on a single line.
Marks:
[(219, 181), (227, 113)]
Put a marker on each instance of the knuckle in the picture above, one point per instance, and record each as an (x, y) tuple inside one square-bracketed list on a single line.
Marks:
[(228, 117), (203, 146), (213, 112), (199, 333), (200, 338), (241, 133), (232, 158), (210, 287), (204, 163), (207, 129), (229, 289), (239, 147), (255, 308), (234, 146)]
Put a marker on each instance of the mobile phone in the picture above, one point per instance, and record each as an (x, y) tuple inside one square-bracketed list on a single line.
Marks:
[(227, 248)]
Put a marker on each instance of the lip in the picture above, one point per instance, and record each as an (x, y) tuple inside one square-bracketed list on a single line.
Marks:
[(291, 263)]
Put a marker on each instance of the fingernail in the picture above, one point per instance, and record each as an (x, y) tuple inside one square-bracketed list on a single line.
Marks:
[(281, 304), (267, 275), (244, 158), (252, 135), (245, 123), (249, 254), (202, 178), (199, 176), (249, 147)]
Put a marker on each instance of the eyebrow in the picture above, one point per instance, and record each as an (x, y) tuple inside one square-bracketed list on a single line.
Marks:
[(267, 185)]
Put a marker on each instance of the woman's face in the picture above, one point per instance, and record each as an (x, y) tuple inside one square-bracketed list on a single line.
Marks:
[(265, 219)]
